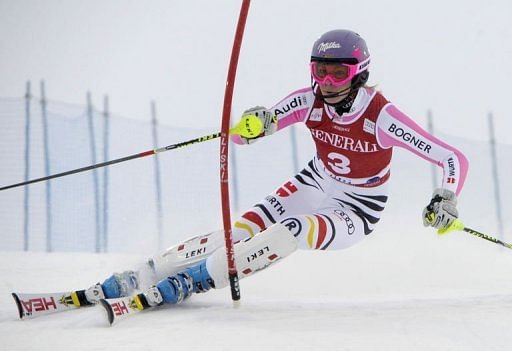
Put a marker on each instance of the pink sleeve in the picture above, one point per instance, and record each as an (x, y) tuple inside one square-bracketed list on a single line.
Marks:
[(395, 128), (292, 109)]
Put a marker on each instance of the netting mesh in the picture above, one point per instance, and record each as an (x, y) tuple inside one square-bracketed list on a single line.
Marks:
[(116, 208)]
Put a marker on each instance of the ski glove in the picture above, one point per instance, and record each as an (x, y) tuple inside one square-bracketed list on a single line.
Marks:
[(266, 117), (441, 210)]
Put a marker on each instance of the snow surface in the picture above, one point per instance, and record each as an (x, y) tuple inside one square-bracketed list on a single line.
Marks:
[(393, 291)]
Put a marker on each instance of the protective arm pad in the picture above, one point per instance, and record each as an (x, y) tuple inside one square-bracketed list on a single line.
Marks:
[(253, 254)]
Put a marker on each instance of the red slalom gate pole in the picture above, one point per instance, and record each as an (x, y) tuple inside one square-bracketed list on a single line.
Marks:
[(224, 142)]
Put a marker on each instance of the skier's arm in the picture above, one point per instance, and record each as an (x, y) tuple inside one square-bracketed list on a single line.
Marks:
[(292, 109), (395, 128)]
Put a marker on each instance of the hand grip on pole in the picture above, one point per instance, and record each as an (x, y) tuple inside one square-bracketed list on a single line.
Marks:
[(455, 225), (249, 127)]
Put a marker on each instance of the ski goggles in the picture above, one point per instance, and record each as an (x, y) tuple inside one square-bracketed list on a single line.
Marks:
[(336, 73)]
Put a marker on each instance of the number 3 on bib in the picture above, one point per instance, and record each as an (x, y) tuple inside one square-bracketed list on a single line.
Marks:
[(339, 163)]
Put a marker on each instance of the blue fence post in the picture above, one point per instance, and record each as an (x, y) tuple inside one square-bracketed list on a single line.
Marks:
[(49, 243), (494, 160), (92, 144), (26, 192), (159, 211), (106, 135)]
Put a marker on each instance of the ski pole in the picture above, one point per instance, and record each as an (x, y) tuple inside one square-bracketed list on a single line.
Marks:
[(249, 127), (458, 225)]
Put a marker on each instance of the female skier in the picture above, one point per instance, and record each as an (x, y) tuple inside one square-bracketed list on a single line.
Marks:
[(333, 203)]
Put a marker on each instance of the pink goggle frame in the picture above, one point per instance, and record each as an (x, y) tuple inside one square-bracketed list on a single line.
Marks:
[(342, 78)]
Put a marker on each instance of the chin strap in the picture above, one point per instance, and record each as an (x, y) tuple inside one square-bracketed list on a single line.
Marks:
[(345, 105), (342, 106)]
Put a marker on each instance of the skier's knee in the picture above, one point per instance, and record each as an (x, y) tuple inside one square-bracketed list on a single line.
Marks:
[(253, 254)]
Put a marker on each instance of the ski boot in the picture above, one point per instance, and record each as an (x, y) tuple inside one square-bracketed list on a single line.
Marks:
[(117, 285)]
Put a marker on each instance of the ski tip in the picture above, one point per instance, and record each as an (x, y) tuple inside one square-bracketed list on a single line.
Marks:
[(109, 310), (18, 304)]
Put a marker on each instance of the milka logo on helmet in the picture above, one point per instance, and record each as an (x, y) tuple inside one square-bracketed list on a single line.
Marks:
[(323, 47)]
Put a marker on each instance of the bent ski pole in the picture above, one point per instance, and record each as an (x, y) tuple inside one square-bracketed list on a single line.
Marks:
[(249, 127), (458, 225)]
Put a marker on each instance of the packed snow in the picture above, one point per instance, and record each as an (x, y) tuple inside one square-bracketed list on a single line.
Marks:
[(394, 291)]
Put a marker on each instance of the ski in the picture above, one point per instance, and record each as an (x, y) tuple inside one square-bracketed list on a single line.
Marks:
[(35, 305), (120, 308)]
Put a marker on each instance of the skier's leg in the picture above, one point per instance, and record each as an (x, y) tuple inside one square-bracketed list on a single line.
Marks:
[(303, 193), (183, 255), (252, 255), (344, 219), (165, 264)]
